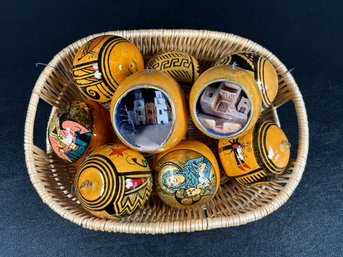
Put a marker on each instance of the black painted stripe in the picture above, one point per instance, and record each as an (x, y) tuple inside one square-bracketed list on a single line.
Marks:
[(103, 62), (87, 202), (260, 68), (270, 166), (193, 72), (106, 57), (112, 190), (249, 173), (268, 102), (134, 173), (108, 181), (265, 150), (84, 65)]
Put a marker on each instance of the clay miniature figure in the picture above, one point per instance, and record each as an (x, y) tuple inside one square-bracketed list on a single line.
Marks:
[(146, 120), (224, 102), (149, 112), (225, 107), (260, 68)]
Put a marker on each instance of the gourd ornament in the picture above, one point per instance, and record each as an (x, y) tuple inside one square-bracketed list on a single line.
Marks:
[(224, 102), (149, 112), (102, 63), (78, 129), (182, 66), (260, 69), (114, 181), (256, 157), (186, 176)]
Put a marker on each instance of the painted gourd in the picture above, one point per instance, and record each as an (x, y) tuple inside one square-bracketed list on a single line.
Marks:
[(148, 112), (186, 176), (114, 181), (182, 66), (103, 63), (257, 156), (224, 102), (78, 129), (260, 68)]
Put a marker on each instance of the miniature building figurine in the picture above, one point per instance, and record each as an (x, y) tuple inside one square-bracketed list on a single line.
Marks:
[(161, 108), (149, 113), (225, 110), (138, 108)]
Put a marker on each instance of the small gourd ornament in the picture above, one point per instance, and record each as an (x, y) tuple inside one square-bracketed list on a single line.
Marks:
[(78, 129), (224, 102), (149, 112), (256, 157), (114, 181), (182, 66), (260, 68), (102, 63), (186, 176)]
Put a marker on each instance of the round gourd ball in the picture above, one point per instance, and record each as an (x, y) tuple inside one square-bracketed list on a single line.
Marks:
[(260, 68), (224, 102), (187, 176), (78, 129), (149, 112), (102, 63), (256, 157), (114, 181), (182, 66)]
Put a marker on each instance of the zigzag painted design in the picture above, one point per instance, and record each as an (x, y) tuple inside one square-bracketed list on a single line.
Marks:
[(132, 201)]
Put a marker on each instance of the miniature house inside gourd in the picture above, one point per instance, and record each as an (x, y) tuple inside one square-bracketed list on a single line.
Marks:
[(149, 113), (225, 109)]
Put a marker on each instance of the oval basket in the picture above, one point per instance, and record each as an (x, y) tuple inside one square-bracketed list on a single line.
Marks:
[(233, 205)]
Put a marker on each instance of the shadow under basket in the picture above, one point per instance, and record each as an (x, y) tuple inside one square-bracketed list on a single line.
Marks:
[(233, 205)]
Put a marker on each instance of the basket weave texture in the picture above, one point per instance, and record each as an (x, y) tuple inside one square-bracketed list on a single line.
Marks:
[(233, 205)]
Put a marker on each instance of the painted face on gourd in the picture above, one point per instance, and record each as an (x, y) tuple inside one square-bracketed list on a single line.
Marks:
[(114, 181), (103, 63), (260, 68), (185, 179), (79, 128), (257, 156)]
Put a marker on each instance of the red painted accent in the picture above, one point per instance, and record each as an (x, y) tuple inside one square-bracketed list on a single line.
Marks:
[(118, 151), (235, 146), (246, 165), (134, 183)]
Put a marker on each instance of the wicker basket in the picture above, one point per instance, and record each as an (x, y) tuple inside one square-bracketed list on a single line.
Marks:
[(233, 205)]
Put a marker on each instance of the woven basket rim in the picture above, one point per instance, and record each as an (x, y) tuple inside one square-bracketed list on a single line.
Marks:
[(173, 226)]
